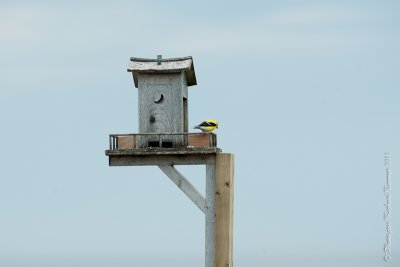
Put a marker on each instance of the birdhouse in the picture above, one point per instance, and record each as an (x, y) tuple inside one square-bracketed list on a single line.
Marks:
[(163, 111), (163, 99)]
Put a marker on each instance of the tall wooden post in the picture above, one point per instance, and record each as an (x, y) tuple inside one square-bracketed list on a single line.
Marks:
[(210, 214), (219, 211), (224, 210)]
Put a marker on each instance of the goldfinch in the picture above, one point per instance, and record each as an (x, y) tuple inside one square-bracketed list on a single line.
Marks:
[(207, 125)]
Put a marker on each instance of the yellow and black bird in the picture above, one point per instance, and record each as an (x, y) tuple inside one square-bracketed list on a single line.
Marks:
[(207, 125)]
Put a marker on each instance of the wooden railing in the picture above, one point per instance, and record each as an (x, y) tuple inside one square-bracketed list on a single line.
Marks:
[(162, 140)]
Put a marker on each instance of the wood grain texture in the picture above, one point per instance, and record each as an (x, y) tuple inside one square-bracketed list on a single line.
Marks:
[(210, 216), (185, 186), (140, 152), (191, 141), (151, 65), (152, 160), (167, 114), (199, 140), (126, 142), (161, 116), (172, 65), (224, 210)]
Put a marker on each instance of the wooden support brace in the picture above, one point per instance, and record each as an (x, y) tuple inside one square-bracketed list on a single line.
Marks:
[(224, 210), (185, 186)]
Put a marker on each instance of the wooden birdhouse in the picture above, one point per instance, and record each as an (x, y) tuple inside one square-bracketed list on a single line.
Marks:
[(163, 98), (163, 108)]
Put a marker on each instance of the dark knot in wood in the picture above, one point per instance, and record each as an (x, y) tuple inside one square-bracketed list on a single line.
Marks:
[(152, 119)]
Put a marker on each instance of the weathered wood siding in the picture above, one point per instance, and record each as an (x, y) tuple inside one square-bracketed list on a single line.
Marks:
[(161, 108)]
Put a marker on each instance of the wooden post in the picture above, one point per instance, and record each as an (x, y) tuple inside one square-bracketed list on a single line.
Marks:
[(224, 210), (218, 202), (210, 215)]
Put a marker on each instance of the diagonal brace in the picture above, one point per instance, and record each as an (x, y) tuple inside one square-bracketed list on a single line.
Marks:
[(185, 186)]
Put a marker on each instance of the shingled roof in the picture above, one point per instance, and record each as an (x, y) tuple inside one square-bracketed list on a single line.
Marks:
[(170, 65)]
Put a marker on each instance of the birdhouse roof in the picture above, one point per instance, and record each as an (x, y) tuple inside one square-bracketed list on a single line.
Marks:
[(170, 65)]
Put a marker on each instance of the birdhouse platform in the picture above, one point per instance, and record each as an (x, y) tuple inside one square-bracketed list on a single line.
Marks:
[(145, 149)]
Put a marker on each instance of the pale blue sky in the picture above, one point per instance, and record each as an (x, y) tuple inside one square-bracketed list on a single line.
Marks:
[(307, 96)]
